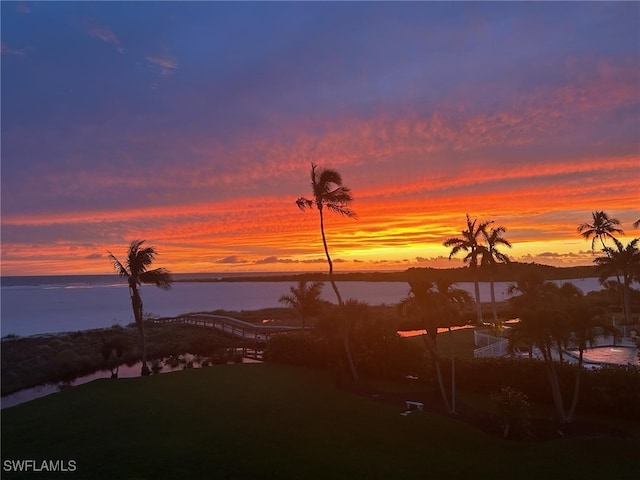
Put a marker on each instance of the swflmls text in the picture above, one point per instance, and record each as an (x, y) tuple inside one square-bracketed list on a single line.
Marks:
[(39, 466)]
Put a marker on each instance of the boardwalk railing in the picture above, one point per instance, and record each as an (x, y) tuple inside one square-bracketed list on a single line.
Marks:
[(228, 326), (490, 346)]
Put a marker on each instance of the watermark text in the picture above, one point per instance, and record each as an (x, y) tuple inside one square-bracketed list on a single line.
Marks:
[(30, 465)]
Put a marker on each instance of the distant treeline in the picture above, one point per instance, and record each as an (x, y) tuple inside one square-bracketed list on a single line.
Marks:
[(511, 272)]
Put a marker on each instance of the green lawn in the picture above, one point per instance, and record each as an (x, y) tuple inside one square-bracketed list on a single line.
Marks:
[(267, 421)]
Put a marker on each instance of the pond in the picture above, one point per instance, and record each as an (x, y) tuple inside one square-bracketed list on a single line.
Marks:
[(169, 364)]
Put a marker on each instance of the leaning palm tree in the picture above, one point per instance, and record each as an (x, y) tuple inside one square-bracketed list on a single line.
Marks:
[(304, 299), (469, 242), (329, 192), (135, 271), (601, 228), (493, 256)]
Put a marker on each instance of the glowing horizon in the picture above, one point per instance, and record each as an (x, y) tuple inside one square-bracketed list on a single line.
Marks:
[(202, 150)]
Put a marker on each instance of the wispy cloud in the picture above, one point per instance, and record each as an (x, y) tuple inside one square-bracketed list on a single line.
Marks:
[(18, 52), (231, 259), (167, 63), (103, 33), (22, 7), (275, 259)]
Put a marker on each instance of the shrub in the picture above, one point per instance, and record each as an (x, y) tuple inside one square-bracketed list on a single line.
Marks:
[(514, 408), (389, 357), (298, 348), (609, 390)]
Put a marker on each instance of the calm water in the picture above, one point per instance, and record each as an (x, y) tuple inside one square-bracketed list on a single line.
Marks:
[(124, 371), (32, 305)]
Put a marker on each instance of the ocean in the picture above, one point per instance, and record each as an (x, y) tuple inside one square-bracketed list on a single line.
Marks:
[(52, 304)]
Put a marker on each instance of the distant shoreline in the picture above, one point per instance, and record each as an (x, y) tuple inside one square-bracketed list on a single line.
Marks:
[(502, 273)]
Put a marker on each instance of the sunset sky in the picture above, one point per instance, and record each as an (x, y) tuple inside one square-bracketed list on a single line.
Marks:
[(193, 125)]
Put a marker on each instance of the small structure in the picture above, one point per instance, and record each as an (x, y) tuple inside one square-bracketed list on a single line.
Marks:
[(412, 406)]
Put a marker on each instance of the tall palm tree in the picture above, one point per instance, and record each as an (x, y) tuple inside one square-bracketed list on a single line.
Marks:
[(601, 228), (584, 323), (624, 263), (304, 299), (433, 306), (469, 242), (529, 294), (329, 192), (539, 328), (493, 256), (558, 315), (136, 271)]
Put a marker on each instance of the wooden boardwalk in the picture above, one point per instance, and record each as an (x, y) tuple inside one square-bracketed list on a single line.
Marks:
[(253, 337)]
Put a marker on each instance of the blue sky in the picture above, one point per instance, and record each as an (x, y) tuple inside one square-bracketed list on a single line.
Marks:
[(184, 122)]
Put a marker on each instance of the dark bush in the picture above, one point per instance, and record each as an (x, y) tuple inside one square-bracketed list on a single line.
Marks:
[(514, 409), (609, 390), (388, 356), (298, 348)]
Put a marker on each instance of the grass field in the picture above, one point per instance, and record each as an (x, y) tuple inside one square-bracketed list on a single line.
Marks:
[(267, 421)]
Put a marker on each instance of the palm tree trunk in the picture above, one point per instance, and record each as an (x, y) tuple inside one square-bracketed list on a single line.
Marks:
[(621, 287), (493, 299), (431, 348), (453, 374), (560, 356), (576, 389), (345, 336), (626, 299), (477, 292), (326, 251), (136, 302), (554, 383)]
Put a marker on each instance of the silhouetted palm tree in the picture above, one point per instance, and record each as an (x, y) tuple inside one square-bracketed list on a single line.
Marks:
[(584, 323), (433, 306), (531, 291), (558, 320), (135, 271), (329, 192), (304, 299), (624, 263), (601, 228), (636, 224), (493, 256), (469, 242)]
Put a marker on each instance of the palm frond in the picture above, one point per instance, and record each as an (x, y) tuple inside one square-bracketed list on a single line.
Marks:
[(288, 300), (340, 210), (339, 195), (160, 277), (603, 226), (138, 259), (304, 203), (327, 178), (122, 271)]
